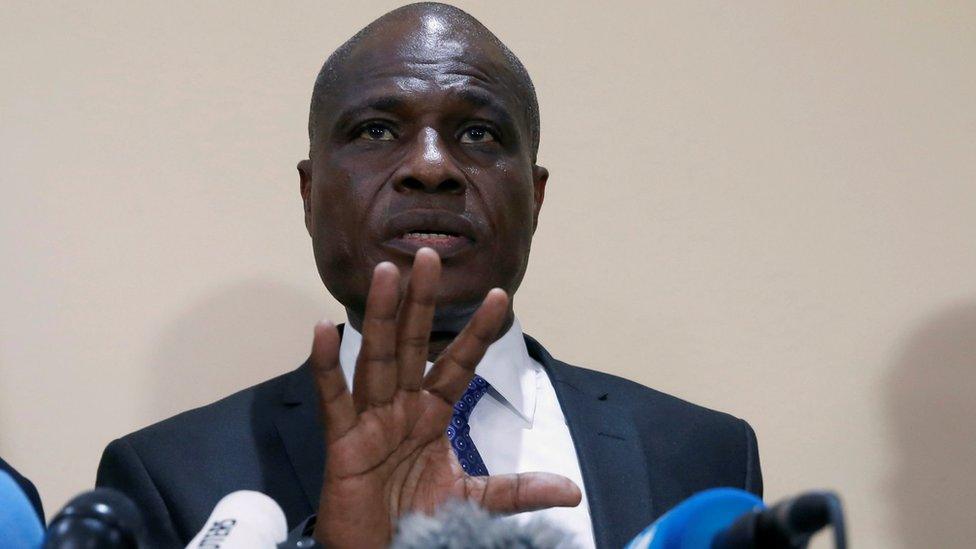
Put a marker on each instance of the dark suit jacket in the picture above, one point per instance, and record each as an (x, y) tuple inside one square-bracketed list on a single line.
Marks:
[(641, 452)]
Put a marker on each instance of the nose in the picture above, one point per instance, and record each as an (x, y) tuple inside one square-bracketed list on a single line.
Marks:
[(429, 167)]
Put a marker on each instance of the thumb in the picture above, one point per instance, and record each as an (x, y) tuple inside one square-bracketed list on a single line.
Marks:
[(522, 492)]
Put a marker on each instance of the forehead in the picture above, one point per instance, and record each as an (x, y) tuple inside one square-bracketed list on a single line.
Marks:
[(419, 58)]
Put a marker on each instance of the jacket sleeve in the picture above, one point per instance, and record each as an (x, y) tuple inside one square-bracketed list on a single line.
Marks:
[(753, 479), (123, 470)]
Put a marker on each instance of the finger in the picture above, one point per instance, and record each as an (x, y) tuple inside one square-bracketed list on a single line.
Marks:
[(374, 381), (338, 412), (522, 492), (455, 367), (416, 318)]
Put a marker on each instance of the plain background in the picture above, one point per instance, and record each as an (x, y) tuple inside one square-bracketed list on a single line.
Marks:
[(763, 207)]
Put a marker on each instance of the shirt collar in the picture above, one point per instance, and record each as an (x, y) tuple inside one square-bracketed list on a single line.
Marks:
[(506, 366)]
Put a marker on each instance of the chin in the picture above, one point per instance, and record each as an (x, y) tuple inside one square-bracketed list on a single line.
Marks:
[(453, 316)]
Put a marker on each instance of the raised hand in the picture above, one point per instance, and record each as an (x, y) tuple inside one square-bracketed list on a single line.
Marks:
[(386, 451)]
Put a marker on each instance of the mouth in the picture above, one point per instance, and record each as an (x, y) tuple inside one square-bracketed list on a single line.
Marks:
[(448, 234), (427, 238)]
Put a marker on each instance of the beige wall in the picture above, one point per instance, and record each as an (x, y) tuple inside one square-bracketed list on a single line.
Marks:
[(767, 208)]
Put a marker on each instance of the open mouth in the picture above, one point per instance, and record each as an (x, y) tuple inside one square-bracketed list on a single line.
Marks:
[(447, 234), (444, 243), (431, 237)]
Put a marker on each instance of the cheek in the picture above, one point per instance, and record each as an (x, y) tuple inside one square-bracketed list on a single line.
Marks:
[(349, 203), (513, 203), (333, 214)]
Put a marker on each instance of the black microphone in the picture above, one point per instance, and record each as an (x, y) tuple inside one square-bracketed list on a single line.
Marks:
[(102, 518), (788, 524)]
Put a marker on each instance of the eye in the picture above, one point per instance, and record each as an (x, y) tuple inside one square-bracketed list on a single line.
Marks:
[(477, 134), (375, 131)]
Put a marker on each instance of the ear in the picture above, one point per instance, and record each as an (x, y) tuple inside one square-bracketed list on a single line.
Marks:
[(540, 176), (305, 182)]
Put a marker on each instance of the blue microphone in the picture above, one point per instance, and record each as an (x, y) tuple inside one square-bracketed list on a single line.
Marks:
[(19, 525), (696, 521), (729, 518)]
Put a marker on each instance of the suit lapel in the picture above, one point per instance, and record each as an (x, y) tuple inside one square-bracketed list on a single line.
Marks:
[(612, 459), (300, 430)]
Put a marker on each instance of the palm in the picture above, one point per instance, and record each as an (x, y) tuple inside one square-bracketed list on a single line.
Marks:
[(385, 445), (410, 460)]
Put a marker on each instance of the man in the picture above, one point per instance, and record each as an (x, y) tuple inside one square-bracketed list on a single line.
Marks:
[(421, 195)]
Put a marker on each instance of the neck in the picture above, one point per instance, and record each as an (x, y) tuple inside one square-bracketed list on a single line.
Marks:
[(440, 339)]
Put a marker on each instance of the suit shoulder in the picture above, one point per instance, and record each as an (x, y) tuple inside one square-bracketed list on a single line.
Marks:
[(229, 416), (640, 398), (678, 432)]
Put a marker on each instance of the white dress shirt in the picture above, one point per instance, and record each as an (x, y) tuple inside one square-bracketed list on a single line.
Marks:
[(517, 425)]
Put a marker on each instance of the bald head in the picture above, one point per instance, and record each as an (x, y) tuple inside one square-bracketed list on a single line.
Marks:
[(426, 32)]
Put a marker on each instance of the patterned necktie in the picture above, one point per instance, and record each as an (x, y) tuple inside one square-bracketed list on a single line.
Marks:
[(458, 432)]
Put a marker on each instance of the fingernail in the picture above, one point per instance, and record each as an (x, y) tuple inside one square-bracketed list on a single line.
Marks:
[(322, 325)]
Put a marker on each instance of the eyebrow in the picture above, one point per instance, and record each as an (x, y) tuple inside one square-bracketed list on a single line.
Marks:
[(387, 103), (487, 101), (392, 103)]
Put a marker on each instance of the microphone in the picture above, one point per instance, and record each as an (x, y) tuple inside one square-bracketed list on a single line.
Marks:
[(789, 523), (729, 518), (243, 520), (463, 524), (102, 517), (19, 525)]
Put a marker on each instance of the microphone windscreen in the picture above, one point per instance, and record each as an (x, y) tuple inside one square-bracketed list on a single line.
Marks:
[(463, 525), (243, 520), (19, 525), (102, 517)]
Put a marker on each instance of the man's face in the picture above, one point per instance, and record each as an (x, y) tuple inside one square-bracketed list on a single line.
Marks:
[(424, 142)]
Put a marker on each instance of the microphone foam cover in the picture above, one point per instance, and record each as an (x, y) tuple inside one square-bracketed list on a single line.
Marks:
[(98, 511), (463, 525)]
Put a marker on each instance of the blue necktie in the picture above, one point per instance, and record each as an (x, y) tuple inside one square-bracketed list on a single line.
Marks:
[(458, 432)]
